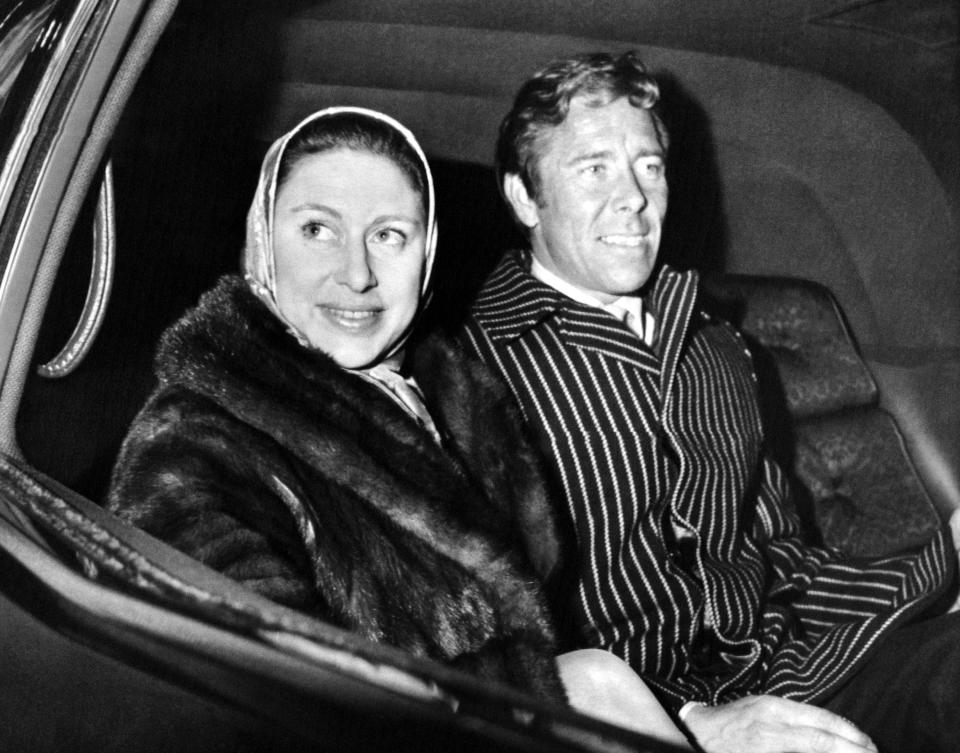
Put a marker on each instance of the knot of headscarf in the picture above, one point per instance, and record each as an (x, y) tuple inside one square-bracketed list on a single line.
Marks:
[(259, 264), (404, 390)]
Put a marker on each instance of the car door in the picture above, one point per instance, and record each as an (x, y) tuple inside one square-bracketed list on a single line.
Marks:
[(109, 639)]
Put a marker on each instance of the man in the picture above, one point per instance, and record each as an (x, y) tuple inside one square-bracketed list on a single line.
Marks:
[(691, 566)]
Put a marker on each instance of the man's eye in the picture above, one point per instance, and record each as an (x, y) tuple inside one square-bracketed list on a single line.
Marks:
[(652, 168), (593, 169), (389, 236)]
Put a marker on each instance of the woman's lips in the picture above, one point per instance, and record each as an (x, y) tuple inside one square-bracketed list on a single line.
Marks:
[(352, 320)]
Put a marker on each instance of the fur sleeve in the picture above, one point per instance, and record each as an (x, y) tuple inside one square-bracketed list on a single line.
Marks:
[(483, 424), (186, 476)]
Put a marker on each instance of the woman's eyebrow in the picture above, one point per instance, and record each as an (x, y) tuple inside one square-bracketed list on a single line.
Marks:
[(415, 221), (309, 206)]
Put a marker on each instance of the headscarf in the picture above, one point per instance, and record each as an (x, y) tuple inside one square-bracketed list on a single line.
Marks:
[(259, 265)]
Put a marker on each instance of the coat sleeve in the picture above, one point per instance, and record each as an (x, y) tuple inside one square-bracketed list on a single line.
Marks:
[(777, 528), (199, 480), (826, 588)]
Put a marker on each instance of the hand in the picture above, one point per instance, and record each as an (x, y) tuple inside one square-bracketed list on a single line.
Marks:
[(767, 724)]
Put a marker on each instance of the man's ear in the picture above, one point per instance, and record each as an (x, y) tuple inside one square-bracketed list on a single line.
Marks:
[(524, 207)]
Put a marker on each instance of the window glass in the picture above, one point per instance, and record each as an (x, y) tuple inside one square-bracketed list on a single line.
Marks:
[(19, 32)]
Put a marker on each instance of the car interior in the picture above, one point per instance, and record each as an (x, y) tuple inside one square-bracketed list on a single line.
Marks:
[(759, 186), (818, 222)]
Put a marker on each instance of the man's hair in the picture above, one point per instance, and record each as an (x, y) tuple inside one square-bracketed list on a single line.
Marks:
[(544, 101)]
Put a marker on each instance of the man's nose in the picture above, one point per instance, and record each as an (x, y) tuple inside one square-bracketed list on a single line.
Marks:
[(355, 271), (630, 194)]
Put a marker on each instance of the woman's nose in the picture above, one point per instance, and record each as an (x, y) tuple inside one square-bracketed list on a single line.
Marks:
[(355, 271)]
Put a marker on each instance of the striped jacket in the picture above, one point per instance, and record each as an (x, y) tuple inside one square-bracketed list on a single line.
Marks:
[(691, 566)]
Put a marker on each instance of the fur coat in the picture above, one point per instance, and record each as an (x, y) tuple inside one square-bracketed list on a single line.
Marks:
[(271, 464)]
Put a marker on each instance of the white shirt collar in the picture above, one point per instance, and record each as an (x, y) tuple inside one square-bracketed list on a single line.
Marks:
[(558, 283), (632, 304)]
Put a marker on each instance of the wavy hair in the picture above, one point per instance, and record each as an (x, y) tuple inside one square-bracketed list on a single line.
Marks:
[(544, 101)]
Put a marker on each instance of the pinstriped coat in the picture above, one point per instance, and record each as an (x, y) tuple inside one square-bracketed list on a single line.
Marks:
[(691, 565)]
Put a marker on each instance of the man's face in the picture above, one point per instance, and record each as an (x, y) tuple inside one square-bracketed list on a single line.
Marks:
[(602, 199)]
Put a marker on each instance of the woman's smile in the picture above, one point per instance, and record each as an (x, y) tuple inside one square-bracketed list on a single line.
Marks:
[(349, 246), (351, 319)]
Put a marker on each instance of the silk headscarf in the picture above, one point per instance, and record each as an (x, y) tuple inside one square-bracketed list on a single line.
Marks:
[(259, 264)]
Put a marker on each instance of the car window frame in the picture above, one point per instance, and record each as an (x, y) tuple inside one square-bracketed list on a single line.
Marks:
[(98, 54)]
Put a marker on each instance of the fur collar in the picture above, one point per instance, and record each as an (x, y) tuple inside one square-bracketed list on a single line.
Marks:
[(233, 351)]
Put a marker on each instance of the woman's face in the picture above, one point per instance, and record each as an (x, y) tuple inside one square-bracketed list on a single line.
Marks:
[(349, 243)]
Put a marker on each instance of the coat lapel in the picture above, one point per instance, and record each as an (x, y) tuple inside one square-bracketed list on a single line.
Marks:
[(672, 303), (594, 329), (513, 302)]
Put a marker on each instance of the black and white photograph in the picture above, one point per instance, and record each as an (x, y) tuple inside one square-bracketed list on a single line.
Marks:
[(444, 375)]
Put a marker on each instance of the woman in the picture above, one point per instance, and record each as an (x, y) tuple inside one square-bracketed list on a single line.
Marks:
[(284, 448)]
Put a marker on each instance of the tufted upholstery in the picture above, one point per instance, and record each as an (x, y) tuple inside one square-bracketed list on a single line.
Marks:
[(858, 488)]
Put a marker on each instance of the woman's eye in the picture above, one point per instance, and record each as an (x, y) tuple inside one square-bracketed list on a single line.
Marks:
[(389, 236), (317, 230)]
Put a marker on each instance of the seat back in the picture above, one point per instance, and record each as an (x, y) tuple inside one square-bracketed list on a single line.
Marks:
[(856, 486)]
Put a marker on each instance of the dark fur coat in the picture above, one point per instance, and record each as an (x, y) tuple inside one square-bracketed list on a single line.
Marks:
[(270, 464)]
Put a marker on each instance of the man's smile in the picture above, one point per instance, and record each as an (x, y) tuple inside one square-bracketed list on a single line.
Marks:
[(633, 241)]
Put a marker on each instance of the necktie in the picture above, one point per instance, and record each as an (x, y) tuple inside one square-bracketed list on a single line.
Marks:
[(642, 326)]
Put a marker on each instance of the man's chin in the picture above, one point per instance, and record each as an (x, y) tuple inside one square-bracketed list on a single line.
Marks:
[(632, 284)]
